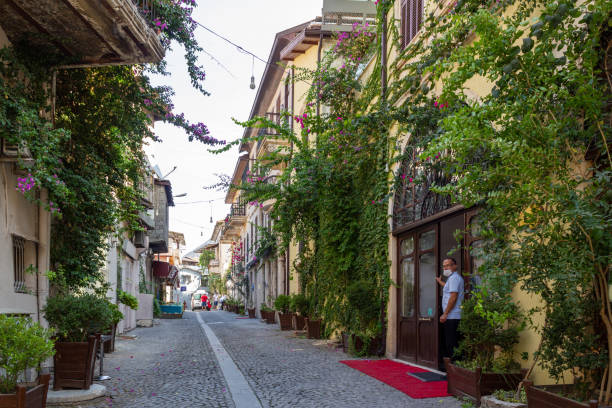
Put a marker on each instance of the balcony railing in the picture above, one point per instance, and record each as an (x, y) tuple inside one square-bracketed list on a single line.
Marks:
[(146, 9), (272, 117), (238, 210)]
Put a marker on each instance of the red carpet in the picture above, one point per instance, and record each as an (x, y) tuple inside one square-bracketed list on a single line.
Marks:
[(394, 374)]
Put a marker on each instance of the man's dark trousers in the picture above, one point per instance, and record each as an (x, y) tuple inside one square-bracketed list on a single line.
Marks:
[(451, 336)]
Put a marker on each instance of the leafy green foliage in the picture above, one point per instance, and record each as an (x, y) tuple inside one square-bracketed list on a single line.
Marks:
[(23, 344), (116, 314), (156, 308), (75, 317), (532, 154), (205, 257), (127, 299), (300, 304), (332, 193), (282, 303), (489, 323)]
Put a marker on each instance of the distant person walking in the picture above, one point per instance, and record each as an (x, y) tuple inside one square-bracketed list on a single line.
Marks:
[(452, 298), (215, 301)]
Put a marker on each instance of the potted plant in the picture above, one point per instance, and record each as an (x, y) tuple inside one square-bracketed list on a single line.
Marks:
[(109, 346), (76, 319), (129, 300), (300, 305), (23, 345), (489, 324), (364, 335), (267, 314), (285, 318), (539, 398)]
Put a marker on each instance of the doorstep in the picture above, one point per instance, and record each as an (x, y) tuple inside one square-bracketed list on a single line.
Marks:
[(419, 366), (69, 397)]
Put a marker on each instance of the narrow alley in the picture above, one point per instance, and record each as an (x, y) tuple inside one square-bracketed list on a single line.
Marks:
[(174, 365)]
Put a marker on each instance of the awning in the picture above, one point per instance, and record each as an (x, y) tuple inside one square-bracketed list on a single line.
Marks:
[(161, 269)]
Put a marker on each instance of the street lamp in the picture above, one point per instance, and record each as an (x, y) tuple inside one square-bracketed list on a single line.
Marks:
[(164, 177)]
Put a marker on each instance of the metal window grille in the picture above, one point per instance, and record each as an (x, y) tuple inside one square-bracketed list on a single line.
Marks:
[(412, 19), (19, 264)]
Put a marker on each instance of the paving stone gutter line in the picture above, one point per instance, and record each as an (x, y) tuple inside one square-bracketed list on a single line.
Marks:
[(239, 388)]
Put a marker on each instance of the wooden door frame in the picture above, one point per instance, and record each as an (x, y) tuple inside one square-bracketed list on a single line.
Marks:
[(435, 226), (399, 304), (416, 253)]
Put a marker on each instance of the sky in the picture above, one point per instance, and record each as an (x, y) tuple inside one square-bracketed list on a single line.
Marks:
[(252, 24)]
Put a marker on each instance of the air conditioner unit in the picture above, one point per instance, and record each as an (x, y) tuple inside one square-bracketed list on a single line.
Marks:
[(139, 239), (12, 151)]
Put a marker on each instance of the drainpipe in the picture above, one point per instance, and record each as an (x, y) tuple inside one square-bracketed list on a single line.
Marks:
[(383, 71), (318, 66)]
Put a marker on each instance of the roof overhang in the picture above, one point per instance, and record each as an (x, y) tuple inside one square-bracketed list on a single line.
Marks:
[(86, 32), (237, 177)]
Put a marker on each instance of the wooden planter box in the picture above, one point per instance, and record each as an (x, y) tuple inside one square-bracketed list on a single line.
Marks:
[(539, 398), (285, 320), (109, 346), (32, 397), (373, 347), (251, 313), (313, 328), (299, 322), (474, 384), (74, 364), (270, 317)]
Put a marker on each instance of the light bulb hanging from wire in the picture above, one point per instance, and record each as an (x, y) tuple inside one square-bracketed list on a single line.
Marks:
[(211, 220), (252, 86)]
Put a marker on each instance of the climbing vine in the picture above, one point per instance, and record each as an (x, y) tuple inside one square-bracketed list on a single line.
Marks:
[(86, 148)]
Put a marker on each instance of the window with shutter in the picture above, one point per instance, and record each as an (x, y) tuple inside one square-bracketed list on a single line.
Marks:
[(412, 19)]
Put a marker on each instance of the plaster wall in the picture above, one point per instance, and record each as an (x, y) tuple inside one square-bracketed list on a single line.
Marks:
[(19, 217)]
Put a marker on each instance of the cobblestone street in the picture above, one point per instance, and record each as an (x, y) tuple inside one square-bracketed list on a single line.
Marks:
[(174, 365)]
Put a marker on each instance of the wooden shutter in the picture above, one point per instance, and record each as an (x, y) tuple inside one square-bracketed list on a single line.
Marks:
[(404, 19), (412, 19)]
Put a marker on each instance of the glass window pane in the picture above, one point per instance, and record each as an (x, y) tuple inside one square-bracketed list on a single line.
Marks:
[(427, 285), (407, 246), (408, 287), (427, 240), (475, 278), (475, 226)]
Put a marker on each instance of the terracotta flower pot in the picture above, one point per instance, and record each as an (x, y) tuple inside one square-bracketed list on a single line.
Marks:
[(251, 313), (74, 364), (473, 384), (28, 397), (285, 320), (298, 322), (313, 328), (539, 398)]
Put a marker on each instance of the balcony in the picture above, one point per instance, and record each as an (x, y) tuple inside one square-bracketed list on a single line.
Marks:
[(87, 32), (234, 221), (340, 15), (268, 145)]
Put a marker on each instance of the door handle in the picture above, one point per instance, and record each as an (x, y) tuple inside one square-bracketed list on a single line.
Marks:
[(425, 319)]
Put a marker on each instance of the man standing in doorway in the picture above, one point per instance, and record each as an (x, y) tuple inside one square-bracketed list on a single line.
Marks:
[(452, 298)]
